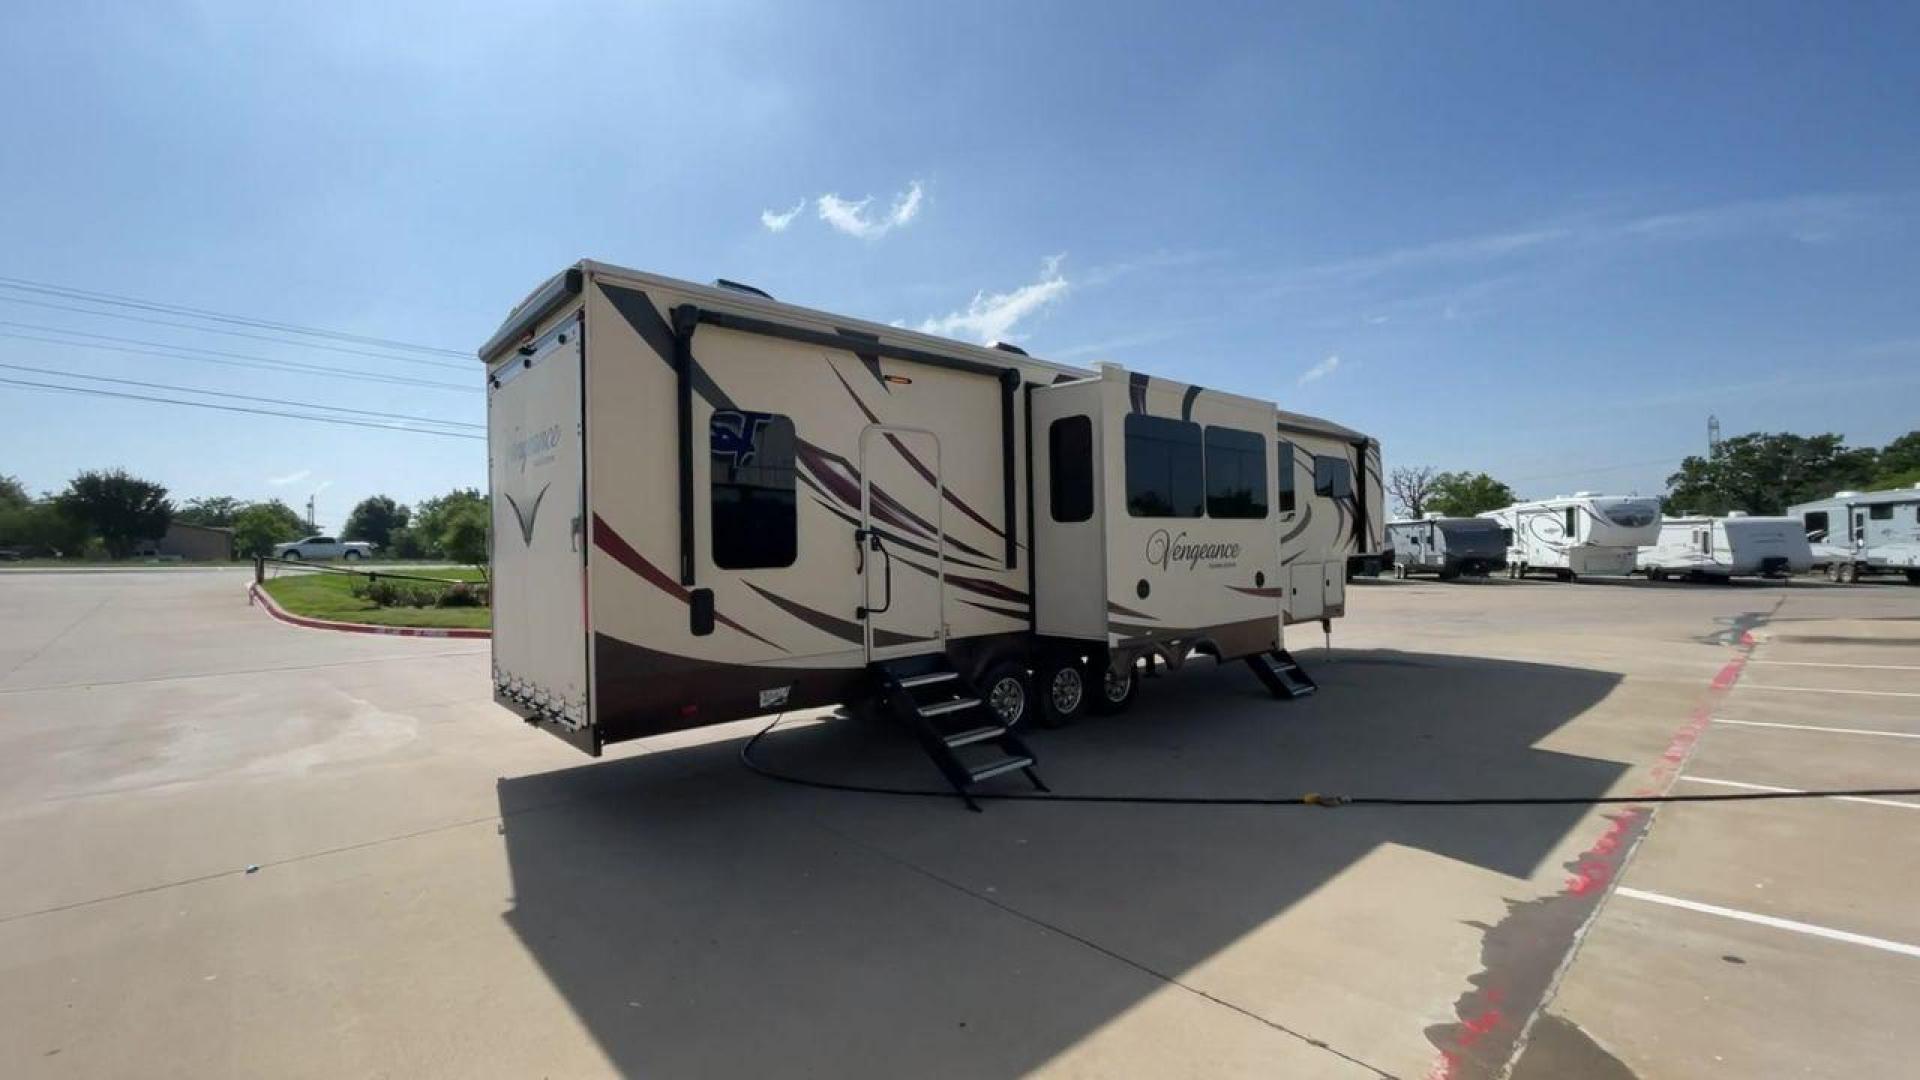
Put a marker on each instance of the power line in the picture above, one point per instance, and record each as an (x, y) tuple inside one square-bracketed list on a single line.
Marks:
[(241, 360), (1595, 469), (237, 333), (87, 390), (242, 397), (26, 285)]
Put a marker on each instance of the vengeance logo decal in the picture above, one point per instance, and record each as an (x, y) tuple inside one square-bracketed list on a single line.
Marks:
[(1164, 549), (527, 518)]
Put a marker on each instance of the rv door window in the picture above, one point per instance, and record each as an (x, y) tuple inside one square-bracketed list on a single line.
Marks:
[(1332, 477), (1816, 522), (1236, 474), (1070, 457), (1164, 474), (755, 521), (1572, 522), (1285, 461)]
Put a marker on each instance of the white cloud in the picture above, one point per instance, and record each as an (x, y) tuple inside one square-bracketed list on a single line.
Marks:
[(990, 318), (779, 222), (290, 478), (852, 218), (1320, 370)]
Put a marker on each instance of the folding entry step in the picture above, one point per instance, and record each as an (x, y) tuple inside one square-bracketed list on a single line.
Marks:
[(1282, 673), (966, 741)]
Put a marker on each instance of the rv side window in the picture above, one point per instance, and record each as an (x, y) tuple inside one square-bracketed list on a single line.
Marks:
[(1236, 474), (1163, 467), (1285, 460), (1070, 454), (1332, 477), (1573, 522), (1506, 536), (755, 517), (1881, 512)]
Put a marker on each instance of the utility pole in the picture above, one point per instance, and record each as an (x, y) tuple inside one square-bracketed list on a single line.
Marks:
[(312, 526), (1713, 435)]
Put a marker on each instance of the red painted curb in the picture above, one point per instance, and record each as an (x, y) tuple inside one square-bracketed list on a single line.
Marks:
[(256, 594)]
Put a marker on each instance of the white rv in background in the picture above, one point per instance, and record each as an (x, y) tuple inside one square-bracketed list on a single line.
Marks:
[(1577, 534), (1859, 533), (709, 505), (1727, 547)]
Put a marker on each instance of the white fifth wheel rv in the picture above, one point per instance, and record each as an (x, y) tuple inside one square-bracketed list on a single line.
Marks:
[(1736, 545), (1859, 533), (1577, 534), (708, 505), (1329, 513)]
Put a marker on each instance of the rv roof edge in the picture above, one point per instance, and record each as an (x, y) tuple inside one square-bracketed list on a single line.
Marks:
[(528, 313)]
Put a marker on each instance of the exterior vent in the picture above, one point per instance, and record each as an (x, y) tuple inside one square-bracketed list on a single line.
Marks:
[(723, 283), (1736, 513), (1583, 494), (1004, 347), (1845, 494)]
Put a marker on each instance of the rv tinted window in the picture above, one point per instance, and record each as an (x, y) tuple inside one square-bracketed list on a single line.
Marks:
[(1163, 467), (755, 522), (1236, 474), (1332, 477), (1070, 450), (1285, 460), (1816, 522), (1572, 522), (1882, 512)]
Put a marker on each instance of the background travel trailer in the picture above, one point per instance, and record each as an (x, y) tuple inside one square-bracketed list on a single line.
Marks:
[(709, 505), (1857, 533), (1727, 547), (1447, 547), (1577, 534)]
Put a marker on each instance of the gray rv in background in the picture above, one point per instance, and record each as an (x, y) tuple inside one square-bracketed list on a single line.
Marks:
[(1447, 547), (1856, 534)]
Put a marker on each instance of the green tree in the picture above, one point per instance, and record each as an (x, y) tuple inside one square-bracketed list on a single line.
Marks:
[(259, 526), (433, 517), (41, 528), (1764, 473), (464, 533), (1464, 494), (215, 510), (120, 508), (13, 494), (375, 520), (1898, 464)]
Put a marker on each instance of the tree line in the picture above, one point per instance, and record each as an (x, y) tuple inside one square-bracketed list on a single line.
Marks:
[(114, 514), (1759, 473)]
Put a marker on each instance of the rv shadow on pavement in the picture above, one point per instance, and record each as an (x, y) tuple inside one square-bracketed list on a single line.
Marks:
[(702, 920)]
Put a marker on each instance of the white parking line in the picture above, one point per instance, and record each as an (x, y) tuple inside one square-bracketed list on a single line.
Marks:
[(1829, 690), (1802, 791), (1821, 663), (1810, 929), (1817, 727)]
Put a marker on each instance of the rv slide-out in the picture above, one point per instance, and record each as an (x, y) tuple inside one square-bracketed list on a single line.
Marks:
[(709, 505)]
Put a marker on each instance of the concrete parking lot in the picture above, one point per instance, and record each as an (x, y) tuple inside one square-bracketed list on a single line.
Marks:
[(234, 847)]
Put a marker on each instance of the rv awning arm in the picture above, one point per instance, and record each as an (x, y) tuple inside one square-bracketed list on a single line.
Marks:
[(689, 317)]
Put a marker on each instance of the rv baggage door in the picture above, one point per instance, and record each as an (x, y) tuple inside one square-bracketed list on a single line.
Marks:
[(902, 549), (534, 441)]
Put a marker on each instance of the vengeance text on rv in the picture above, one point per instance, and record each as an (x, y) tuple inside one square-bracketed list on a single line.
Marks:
[(539, 446), (1165, 549)]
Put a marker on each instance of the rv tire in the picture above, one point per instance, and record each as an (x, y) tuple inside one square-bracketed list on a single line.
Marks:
[(1007, 693), (1564, 575), (1849, 573), (1913, 577), (1062, 688), (1117, 690)]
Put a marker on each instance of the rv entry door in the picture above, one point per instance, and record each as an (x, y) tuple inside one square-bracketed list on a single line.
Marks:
[(901, 554)]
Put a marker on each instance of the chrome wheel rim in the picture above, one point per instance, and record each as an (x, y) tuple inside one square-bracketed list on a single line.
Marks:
[(1066, 690), (1008, 700), (1116, 685)]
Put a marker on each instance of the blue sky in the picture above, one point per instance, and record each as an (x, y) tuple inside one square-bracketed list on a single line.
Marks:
[(1545, 241)]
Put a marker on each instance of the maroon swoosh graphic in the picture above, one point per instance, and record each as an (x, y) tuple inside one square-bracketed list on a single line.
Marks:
[(838, 477), (1121, 609), (1267, 593), (611, 542)]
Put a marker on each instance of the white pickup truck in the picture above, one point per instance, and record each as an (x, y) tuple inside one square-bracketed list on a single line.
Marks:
[(324, 547)]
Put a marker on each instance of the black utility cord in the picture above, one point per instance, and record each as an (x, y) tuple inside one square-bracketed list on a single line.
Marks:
[(1309, 799)]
